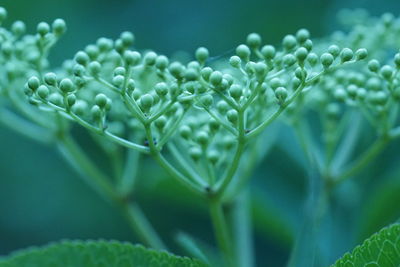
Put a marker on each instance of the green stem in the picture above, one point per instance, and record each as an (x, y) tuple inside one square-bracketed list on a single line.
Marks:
[(221, 231), (95, 178)]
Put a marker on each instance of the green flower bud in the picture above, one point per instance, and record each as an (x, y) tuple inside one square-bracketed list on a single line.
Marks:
[(275, 83), (118, 80), (232, 116), (101, 100), (119, 71), (78, 70), (361, 94), (361, 54), (185, 131), (289, 60), (222, 106), (334, 50), (228, 78), (176, 69), (104, 44), (340, 94), (235, 61), (160, 122), (79, 107), (56, 99), (213, 156), (127, 38), (202, 54), (207, 100), (43, 28), (18, 28), (150, 59), (374, 65), (3, 14), (66, 86), (71, 99), (387, 72), (213, 124), (289, 42), (281, 94), (374, 84), (268, 52), (82, 58), (346, 55), (206, 73), (228, 142), (59, 27), (216, 78), (191, 74), (146, 102), (333, 111), (312, 58), (43, 91), (235, 91), (302, 35), (260, 68), (50, 79), (352, 90), (96, 112), (301, 54), (308, 45), (243, 51), (378, 98), (132, 58), (253, 40), (195, 153), (161, 89), (162, 62), (327, 60), (94, 68), (202, 138), (33, 83), (92, 51), (300, 73)]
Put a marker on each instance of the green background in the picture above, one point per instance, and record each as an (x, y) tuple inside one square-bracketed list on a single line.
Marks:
[(42, 199)]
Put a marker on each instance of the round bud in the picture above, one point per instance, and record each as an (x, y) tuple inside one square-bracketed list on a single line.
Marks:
[(71, 99), (33, 83), (312, 58), (43, 28), (222, 106), (202, 138), (202, 54), (191, 74), (119, 71), (235, 61), (206, 73), (361, 94), (308, 45), (275, 83), (206, 100), (301, 54), (216, 78), (96, 112), (18, 28), (94, 68), (361, 54), (397, 60), (213, 124), (195, 153), (374, 65), (340, 94), (185, 131), (268, 52), (260, 68), (82, 58), (59, 27), (79, 107), (176, 69), (50, 79), (3, 14), (150, 58), (213, 156), (374, 84), (127, 38), (352, 90), (334, 50), (101, 100), (66, 86), (56, 99), (132, 58), (146, 101), (232, 116), (43, 91), (243, 51), (131, 85), (228, 78), (118, 80), (289, 42), (162, 62), (253, 40), (160, 122), (378, 98), (346, 55), (161, 89), (281, 94), (235, 91), (302, 35), (104, 44), (78, 70), (333, 111), (387, 72), (289, 60), (300, 73), (327, 60), (92, 51)]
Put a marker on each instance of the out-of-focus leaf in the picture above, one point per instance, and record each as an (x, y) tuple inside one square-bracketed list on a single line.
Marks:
[(95, 253), (381, 249)]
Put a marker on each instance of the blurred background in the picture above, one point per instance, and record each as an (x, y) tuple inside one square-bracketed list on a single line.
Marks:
[(42, 199)]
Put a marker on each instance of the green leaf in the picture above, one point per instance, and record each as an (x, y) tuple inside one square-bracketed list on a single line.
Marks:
[(381, 249), (94, 253)]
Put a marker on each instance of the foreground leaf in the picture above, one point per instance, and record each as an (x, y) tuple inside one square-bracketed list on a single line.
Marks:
[(94, 253), (380, 250)]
